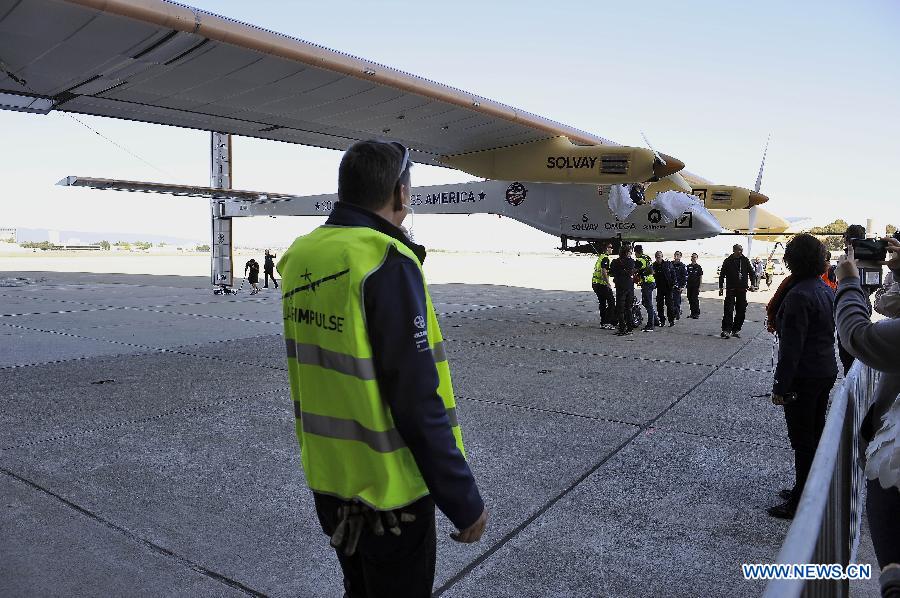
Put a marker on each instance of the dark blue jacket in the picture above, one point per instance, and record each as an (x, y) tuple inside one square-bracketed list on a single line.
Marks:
[(680, 274), (408, 381), (664, 274), (805, 326)]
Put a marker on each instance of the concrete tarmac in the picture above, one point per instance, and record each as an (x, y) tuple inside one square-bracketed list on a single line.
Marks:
[(147, 447)]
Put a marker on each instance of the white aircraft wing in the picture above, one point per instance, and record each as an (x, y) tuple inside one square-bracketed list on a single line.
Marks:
[(160, 62)]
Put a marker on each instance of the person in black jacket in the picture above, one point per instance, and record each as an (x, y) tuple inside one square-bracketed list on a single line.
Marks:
[(694, 278), (665, 285), (734, 276), (680, 271), (622, 270), (269, 269), (373, 193), (251, 272), (807, 367)]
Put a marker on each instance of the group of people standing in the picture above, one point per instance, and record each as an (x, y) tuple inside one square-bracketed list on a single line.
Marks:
[(661, 282), (251, 272)]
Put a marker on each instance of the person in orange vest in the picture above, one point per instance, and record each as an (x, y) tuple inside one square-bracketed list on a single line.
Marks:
[(828, 275)]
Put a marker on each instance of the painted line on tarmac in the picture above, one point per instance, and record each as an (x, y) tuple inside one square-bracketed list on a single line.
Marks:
[(587, 353), (553, 411), (143, 420), (135, 538), (546, 506), (146, 349)]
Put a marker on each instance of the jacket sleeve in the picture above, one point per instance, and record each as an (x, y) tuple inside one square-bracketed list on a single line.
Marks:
[(408, 381), (722, 274), (873, 344), (792, 337)]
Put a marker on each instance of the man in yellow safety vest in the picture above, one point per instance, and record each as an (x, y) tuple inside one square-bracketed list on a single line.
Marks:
[(600, 282), (375, 413)]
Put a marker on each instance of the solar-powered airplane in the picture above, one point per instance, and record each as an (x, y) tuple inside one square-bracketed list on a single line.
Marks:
[(160, 62)]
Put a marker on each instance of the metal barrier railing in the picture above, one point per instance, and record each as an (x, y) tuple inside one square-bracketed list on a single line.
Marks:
[(827, 524)]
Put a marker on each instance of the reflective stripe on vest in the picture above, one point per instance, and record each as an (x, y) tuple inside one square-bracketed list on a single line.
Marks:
[(348, 429), (362, 368), (350, 447)]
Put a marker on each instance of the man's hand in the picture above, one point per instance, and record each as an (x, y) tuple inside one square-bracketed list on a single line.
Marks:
[(893, 247), (777, 399), (721, 292), (474, 531), (846, 266)]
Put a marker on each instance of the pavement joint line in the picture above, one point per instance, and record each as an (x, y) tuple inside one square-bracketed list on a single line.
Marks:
[(546, 506), (725, 438), (586, 353), (141, 420), (593, 354), (554, 411), (568, 324), (148, 348), (136, 538)]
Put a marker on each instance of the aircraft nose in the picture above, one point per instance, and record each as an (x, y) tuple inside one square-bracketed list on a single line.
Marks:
[(705, 224), (757, 198), (671, 166)]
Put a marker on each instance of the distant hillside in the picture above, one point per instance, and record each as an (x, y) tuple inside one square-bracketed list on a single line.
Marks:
[(70, 237)]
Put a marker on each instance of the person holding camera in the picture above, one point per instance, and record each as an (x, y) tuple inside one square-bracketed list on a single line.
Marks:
[(806, 368), (876, 344), (854, 232)]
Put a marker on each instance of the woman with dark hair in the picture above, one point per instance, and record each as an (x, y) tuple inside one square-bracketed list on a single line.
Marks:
[(807, 367)]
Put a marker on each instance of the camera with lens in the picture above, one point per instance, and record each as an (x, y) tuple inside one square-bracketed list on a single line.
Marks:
[(869, 254)]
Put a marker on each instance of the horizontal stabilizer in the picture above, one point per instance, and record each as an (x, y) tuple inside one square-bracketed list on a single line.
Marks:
[(169, 189)]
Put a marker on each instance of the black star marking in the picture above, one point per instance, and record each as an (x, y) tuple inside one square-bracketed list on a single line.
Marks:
[(482, 195), (317, 205), (313, 283)]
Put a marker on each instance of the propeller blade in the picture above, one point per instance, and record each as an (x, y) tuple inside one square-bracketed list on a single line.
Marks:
[(653, 149), (751, 229), (762, 166)]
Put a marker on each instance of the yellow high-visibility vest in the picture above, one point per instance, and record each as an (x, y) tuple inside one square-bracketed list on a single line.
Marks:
[(597, 278), (349, 445), (644, 269)]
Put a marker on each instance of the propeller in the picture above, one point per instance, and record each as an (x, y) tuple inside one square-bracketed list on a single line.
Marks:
[(754, 208), (663, 165), (653, 149)]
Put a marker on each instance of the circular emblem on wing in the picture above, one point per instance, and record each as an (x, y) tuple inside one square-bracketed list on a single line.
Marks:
[(654, 216), (515, 194), (419, 322)]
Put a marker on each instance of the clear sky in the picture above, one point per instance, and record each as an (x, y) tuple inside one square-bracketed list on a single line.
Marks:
[(707, 81)]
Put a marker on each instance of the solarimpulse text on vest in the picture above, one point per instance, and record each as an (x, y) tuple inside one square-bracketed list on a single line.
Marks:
[(314, 318)]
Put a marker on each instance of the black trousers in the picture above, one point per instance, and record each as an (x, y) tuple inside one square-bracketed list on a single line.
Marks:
[(805, 420), (665, 300), (693, 293), (387, 566), (272, 276), (883, 511), (624, 304), (735, 309), (606, 303)]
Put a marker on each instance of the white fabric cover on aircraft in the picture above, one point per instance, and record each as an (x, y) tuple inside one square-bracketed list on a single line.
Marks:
[(673, 204), (620, 202)]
